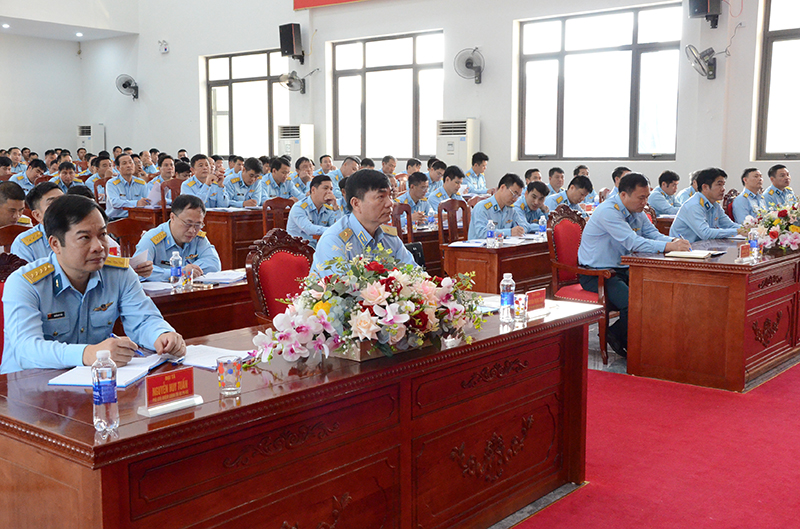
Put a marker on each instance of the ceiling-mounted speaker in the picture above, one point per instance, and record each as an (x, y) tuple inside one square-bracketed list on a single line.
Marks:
[(710, 9), (291, 42)]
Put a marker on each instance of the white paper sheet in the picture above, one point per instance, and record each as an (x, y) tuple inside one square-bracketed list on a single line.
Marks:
[(155, 194), (138, 259), (205, 356), (224, 277), (155, 286), (136, 369), (469, 244)]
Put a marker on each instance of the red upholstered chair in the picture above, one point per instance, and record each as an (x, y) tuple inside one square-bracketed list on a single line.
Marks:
[(398, 210), (450, 207), (8, 234), (651, 214), (564, 239), (727, 203), (274, 266), (8, 263), (278, 208)]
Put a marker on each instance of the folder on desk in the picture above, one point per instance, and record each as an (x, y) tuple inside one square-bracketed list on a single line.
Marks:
[(692, 254), (135, 370)]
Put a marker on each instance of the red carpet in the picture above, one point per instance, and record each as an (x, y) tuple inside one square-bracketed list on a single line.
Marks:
[(664, 455)]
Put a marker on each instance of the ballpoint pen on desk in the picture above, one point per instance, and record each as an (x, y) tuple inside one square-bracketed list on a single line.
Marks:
[(138, 351), (175, 360)]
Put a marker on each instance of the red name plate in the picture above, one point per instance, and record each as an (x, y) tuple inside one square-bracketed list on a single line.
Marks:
[(166, 387), (536, 299), (744, 251)]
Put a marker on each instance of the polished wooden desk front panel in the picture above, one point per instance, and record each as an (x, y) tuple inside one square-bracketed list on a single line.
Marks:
[(151, 215), (712, 322), (232, 233), (529, 263), (458, 438)]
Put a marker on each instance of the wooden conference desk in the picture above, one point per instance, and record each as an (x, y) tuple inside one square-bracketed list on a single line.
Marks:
[(712, 322), (528, 262), (460, 438), (663, 224)]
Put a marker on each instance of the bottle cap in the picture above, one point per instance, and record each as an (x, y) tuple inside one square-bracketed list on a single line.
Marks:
[(175, 252), (507, 275), (103, 354)]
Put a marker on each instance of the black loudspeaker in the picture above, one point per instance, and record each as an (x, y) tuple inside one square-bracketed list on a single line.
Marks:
[(710, 9), (291, 42)]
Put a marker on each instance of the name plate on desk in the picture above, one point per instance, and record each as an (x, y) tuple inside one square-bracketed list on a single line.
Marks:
[(536, 299), (744, 251), (171, 391)]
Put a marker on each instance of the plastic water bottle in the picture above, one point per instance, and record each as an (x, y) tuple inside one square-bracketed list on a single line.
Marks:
[(491, 240), (175, 272), (507, 287), (543, 226), (104, 392), (755, 249)]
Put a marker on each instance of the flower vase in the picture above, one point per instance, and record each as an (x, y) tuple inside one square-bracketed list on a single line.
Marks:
[(367, 350)]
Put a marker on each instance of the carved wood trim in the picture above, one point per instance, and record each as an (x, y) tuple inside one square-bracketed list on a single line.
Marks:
[(765, 334), (288, 440), (338, 507), (770, 281), (495, 455), (497, 371)]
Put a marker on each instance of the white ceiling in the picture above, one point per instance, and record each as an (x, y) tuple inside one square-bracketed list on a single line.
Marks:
[(50, 30)]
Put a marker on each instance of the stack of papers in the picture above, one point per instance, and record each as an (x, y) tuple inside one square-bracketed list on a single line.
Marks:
[(691, 254), (205, 356), (155, 286), (126, 375), (223, 277), (513, 241), (477, 243)]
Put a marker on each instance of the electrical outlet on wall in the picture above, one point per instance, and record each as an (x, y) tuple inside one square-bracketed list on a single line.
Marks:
[(163, 46)]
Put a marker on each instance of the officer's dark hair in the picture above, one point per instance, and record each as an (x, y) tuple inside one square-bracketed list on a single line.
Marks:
[(102, 153), (581, 182), (288, 158), (232, 158), (48, 152), (237, 159), (616, 173), (182, 202), (388, 158), (667, 177), (629, 182), (185, 159), (97, 159), (253, 164), (362, 182), (10, 191), (65, 166), (323, 157), (34, 196), (300, 161), (437, 165), (367, 163), (578, 169), (118, 158), (453, 172), (539, 186), (154, 151), (5, 161), (479, 157), (37, 164), (116, 147), (747, 172), (772, 170), (431, 161), (63, 155), (12, 148), (510, 179), (197, 157), (354, 158), (126, 149), (80, 191), (277, 163), (164, 156), (216, 157), (319, 180), (134, 155), (182, 150), (417, 178), (32, 154), (67, 211), (26, 149), (182, 167), (554, 170), (412, 162), (708, 175), (529, 172)]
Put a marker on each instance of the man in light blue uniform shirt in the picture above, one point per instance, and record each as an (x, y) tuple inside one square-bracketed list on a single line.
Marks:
[(32, 244), (779, 194), (453, 177), (499, 208), (66, 177), (349, 166), (205, 184), (235, 165), (181, 233), (435, 177), (474, 178), (616, 176), (416, 196), (618, 227), (60, 310), (276, 183), (572, 196), (315, 213), (556, 177), (365, 227), (582, 170), (325, 166), (531, 206), (166, 168), (125, 190), (17, 164), (301, 183), (701, 217), (688, 192), (27, 180), (662, 199), (245, 188), (750, 201), (147, 163)]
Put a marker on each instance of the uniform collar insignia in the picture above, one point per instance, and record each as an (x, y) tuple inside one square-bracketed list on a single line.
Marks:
[(103, 307), (362, 238)]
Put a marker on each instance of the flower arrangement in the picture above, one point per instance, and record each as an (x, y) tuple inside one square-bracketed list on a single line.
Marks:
[(371, 298), (779, 229)]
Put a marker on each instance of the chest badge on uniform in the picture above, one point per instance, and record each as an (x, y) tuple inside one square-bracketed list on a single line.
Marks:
[(56, 315), (103, 307)]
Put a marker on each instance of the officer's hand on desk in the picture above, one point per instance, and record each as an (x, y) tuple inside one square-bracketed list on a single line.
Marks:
[(144, 269), (170, 343), (418, 216), (250, 202), (142, 202), (517, 231), (196, 270), (678, 245), (122, 350)]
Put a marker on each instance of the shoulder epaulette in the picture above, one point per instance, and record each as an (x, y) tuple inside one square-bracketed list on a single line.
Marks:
[(32, 238), (789, 189), (389, 230), (38, 273), (190, 184), (268, 181), (439, 194), (771, 191), (117, 262), (559, 200), (346, 234), (140, 181), (297, 185), (488, 205), (329, 207), (304, 205), (80, 181), (157, 238), (25, 221), (201, 234), (423, 199), (235, 180), (115, 181)]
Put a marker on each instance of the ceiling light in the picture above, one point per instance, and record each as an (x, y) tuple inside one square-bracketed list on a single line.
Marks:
[(79, 34), (6, 26)]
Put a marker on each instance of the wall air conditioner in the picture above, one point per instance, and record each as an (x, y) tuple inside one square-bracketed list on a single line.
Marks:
[(457, 141), (296, 141), (92, 138)]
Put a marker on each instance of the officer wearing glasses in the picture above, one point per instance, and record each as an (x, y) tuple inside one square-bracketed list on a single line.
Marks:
[(181, 233), (499, 208)]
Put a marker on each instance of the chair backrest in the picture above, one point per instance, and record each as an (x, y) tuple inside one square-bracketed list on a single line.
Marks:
[(603, 193), (43, 178), (278, 208), (274, 265), (174, 188), (474, 200), (563, 241), (451, 206), (100, 182), (651, 213), (29, 214), (128, 232), (398, 210), (727, 202), (416, 250), (8, 263), (9, 233)]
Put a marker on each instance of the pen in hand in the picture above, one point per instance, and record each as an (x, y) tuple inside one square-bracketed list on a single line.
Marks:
[(138, 351)]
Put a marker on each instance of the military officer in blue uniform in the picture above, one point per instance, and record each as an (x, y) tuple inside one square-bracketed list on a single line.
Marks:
[(556, 177), (531, 206), (451, 183), (26, 180), (779, 194), (181, 233), (60, 310), (350, 165), (301, 183), (102, 166), (578, 188), (750, 201), (17, 162), (662, 199), (235, 165), (66, 177), (315, 213), (416, 196), (474, 178), (499, 208), (32, 244), (245, 188), (616, 176), (276, 183), (688, 192), (618, 227), (125, 190), (325, 166), (366, 227), (436, 177), (582, 170), (701, 217), (205, 184)]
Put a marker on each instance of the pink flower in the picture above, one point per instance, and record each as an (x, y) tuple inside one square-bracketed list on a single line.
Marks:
[(391, 314), (363, 326), (398, 335), (374, 294)]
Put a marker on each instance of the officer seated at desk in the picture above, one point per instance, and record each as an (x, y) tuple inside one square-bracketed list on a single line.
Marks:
[(60, 310), (32, 244), (701, 217), (315, 213), (500, 209), (181, 233), (416, 196), (531, 206), (244, 189), (579, 188)]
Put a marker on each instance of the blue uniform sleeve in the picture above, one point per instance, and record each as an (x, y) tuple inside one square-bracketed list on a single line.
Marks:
[(725, 221), (230, 190), (661, 204), (299, 217), (20, 249), (522, 220), (694, 220), (297, 193), (141, 319), (116, 201), (741, 208), (217, 198), (550, 201), (330, 246), (475, 185), (477, 223), (207, 257), (199, 190), (146, 245), (651, 240)]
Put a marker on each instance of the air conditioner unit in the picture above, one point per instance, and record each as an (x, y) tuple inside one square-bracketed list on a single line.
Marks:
[(296, 141), (457, 141), (92, 138)]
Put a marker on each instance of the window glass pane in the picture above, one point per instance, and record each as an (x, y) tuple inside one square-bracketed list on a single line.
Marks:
[(389, 52), (591, 129), (431, 108), (349, 115), (784, 105), (249, 65), (277, 64), (784, 14), (660, 25), (541, 37), (220, 133), (541, 107), (389, 113), (218, 69), (658, 102), (430, 48), (602, 31), (280, 114), (349, 56), (250, 114)]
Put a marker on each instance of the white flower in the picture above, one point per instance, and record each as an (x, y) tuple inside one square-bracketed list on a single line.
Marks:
[(363, 325), (391, 314), (374, 293)]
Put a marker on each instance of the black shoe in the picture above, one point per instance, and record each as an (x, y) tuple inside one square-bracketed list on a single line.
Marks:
[(616, 345)]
